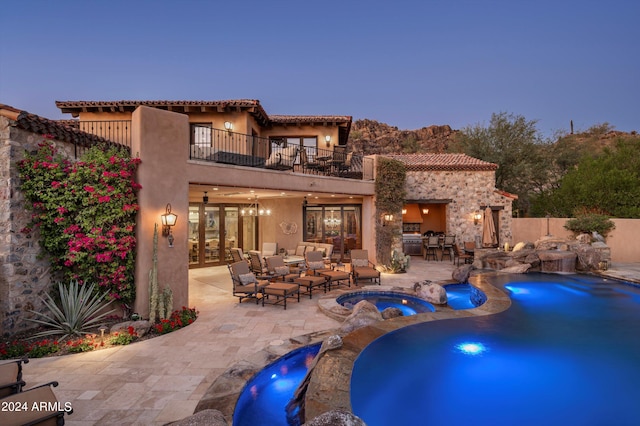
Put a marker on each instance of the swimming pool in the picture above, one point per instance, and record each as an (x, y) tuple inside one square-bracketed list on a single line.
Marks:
[(265, 396), (567, 351)]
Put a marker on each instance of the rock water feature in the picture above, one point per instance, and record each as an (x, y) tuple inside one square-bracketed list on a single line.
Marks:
[(557, 261), (548, 254)]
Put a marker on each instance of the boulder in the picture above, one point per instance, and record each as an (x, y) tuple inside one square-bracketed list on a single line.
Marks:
[(461, 274), (583, 238), (141, 327), (332, 342), (336, 418), (431, 292), (203, 418), (364, 314), (520, 268), (391, 313), (588, 257)]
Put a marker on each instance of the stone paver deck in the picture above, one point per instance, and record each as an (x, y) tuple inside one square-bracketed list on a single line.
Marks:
[(162, 379)]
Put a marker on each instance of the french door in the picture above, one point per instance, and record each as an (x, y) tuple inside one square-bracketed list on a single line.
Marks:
[(213, 230)]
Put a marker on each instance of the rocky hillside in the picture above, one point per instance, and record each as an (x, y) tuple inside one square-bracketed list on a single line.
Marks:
[(372, 137)]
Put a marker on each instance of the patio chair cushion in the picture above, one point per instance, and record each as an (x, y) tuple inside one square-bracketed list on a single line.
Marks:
[(316, 265), (247, 278), (281, 270), (300, 250), (359, 262), (365, 273)]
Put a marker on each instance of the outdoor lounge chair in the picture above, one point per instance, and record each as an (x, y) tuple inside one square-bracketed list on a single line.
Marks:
[(236, 254), (280, 271), (257, 264), (362, 269), (315, 262), (11, 377), (308, 165), (282, 159), (245, 283), (49, 410)]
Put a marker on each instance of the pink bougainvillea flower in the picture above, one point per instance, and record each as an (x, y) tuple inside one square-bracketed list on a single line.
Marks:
[(89, 188)]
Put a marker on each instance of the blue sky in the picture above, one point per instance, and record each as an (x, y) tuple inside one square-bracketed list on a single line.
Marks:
[(406, 63)]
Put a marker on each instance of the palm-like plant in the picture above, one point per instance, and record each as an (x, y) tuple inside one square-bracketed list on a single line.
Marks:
[(79, 311)]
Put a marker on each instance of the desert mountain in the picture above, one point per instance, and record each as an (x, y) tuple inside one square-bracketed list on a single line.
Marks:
[(371, 137)]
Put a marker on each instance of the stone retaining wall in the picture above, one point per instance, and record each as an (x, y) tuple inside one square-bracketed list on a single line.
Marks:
[(24, 277)]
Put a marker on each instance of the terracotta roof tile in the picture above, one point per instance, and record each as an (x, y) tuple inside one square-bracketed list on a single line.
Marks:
[(58, 130), (286, 119), (421, 162), (182, 106)]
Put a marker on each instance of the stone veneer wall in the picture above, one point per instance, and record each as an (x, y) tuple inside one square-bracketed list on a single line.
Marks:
[(24, 278), (467, 190)]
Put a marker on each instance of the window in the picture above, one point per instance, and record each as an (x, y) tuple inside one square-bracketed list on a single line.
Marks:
[(308, 143)]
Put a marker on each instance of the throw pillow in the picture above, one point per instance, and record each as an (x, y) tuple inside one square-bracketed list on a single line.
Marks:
[(300, 250), (316, 265), (247, 278), (359, 262), (281, 270)]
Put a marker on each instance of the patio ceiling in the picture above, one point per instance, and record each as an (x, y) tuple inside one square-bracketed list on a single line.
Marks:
[(232, 194)]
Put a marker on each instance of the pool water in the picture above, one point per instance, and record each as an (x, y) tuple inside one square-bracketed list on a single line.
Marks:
[(264, 398), (409, 305), (464, 296), (567, 351)]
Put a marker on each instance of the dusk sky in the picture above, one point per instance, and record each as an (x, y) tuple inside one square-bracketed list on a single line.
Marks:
[(406, 63)]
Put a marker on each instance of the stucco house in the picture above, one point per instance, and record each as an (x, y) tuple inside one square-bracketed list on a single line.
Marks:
[(218, 164)]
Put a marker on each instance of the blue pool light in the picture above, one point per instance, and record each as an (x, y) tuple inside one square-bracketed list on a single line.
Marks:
[(471, 348)]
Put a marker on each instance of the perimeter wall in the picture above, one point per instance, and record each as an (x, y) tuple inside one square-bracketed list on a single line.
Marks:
[(624, 240)]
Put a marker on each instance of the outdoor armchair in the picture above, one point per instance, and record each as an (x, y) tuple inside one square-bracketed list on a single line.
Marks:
[(315, 262), (282, 272), (49, 410), (245, 283), (11, 377), (362, 268)]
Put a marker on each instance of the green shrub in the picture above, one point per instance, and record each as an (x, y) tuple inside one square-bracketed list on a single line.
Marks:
[(590, 222)]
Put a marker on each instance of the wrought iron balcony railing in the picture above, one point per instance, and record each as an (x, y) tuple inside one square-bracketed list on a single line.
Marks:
[(222, 146)]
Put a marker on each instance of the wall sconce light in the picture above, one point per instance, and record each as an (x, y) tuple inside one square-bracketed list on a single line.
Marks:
[(228, 126), (404, 211), (476, 217), (425, 211), (168, 220), (327, 139), (387, 218), (205, 198)]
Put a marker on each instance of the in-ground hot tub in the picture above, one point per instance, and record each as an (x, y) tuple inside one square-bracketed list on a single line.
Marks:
[(409, 305), (265, 396)]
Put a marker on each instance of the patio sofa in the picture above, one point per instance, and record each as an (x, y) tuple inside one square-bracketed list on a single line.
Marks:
[(328, 248)]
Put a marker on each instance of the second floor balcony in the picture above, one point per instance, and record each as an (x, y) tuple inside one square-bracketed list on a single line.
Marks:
[(226, 147)]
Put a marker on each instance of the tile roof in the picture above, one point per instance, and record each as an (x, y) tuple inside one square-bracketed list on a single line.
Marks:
[(253, 105), (292, 119), (58, 130), (422, 162)]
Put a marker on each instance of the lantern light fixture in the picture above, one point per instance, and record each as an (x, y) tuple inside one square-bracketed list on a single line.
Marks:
[(168, 220), (205, 198), (327, 139), (476, 217), (228, 126)]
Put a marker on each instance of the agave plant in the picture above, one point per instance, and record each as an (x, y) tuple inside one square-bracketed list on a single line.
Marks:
[(80, 310)]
